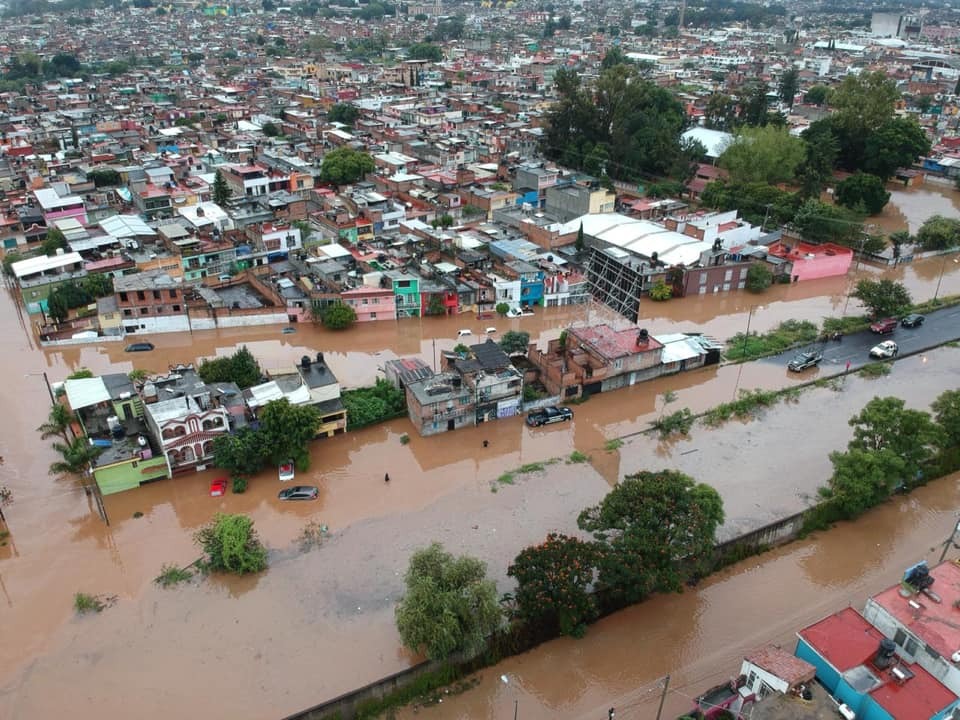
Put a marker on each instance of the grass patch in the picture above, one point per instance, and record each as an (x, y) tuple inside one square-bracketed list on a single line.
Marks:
[(428, 689), (612, 445), (312, 535), (404, 439), (745, 406), (171, 575), (85, 603), (679, 422), (577, 457), (846, 325), (506, 479), (786, 335), (952, 344), (532, 467), (874, 370)]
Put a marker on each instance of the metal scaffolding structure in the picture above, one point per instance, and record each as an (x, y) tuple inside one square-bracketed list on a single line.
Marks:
[(616, 281)]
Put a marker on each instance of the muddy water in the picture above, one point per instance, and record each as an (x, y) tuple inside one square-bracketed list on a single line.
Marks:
[(700, 636), (910, 207), (58, 546)]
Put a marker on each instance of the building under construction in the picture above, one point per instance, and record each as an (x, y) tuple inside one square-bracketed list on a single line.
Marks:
[(616, 278)]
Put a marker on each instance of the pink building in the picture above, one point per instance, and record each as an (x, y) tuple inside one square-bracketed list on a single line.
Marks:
[(371, 303), (55, 207), (809, 262)]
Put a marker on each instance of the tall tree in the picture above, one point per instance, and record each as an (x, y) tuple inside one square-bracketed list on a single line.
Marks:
[(345, 165), (754, 109), (652, 527), (286, 429), (221, 191), (789, 85), (887, 424), (946, 412), (820, 222), (76, 457), (58, 422), (720, 112), (820, 156), (862, 479), (882, 298), (896, 143), (939, 233), (764, 154), (449, 607), (864, 102), (863, 193)]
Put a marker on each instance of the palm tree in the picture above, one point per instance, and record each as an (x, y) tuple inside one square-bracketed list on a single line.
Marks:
[(77, 456), (58, 421)]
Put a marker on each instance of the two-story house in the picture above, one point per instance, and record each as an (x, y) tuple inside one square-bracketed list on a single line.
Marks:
[(406, 290), (371, 303), (150, 302), (531, 281), (441, 403), (496, 384), (324, 395), (184, 419)]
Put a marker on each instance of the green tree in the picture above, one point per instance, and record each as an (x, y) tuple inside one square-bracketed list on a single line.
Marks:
[(762, 155), (897, 143), (789, 85), (553, 581), (502, 309), (946, 412), (425, 51), (55, 240), (221, 191), (886, 424), (759, 277), (241, 454), (863, 193), (339, 317), (883, 298), (614, 56), (863, 103), (449, 607), (104, 177), (817, 95), (76, 457), (515, 342), (820, 156), (270, 129), (435, 305), (345, 165), (231, 545), (97, 285), (720, 112), (343, 113), (898, 239), (939, 233), (753, 104), (241, 368), (286, 430), (58, 422), (820, 222), (652, 528), (9, 258), (862, 479), (369, 405), (660, 291)]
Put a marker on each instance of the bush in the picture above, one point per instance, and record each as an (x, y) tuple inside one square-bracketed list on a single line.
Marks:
[(875, 370), (759, 277), (502, 309), (679, 422), (612, 445), (370, 405), (84, 603), (171, 575), (577, 457), (241, 368), (785, 335), (743, 407), (660, 291), (231, 545), (339, 317), (239, 485)]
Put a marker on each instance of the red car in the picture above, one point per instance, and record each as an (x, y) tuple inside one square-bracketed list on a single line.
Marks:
[(218, 487), (882, 327)]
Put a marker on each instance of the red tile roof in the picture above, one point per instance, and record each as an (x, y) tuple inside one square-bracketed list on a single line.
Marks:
[(782, 664), (844, 639)]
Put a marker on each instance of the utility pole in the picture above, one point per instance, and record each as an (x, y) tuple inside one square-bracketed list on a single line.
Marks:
[(663, 696), (949, 541)]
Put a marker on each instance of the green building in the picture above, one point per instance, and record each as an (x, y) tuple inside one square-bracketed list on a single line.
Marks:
[(406, 290)]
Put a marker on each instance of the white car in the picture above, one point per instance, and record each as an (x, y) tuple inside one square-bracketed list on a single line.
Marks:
[(886, 349), (464, 333), (518, 312), (286, 471)]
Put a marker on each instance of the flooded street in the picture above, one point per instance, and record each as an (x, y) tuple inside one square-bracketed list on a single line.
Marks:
[(910, 207), (314, 626), (700, 636)]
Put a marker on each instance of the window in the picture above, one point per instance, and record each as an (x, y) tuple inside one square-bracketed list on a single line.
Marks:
[(141, 295), (373, 316), (365, 301), (900, 637), (703, 278), (743, 273), (156, 294), (617, 364), (123, 297), (728, 276), (159, 309), (128, 312), (172, 294), (911, 647), (176, 308), (144, 311)]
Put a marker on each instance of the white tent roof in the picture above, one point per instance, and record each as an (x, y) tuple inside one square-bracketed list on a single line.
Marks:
[(84, 392), (677, 347), (260, 395), (715, 141), (334, 250)]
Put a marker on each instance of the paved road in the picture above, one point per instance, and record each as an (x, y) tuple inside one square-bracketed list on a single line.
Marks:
[(939, 327)]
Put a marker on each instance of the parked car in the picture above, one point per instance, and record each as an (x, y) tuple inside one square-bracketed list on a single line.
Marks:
[(547, 415), (218, 488), (886, 349), (286, 472), (139, 347), (288, 330), (912, 320), (464, 333), (805, 360), (882, 327), (299, 492), (519, 312)]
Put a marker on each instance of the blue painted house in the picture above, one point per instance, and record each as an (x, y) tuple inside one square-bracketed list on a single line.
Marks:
[(531, 282), (860, 667)]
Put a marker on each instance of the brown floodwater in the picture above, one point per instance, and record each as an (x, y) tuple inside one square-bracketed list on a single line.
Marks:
[(700, 636), (910, 207), (58, 546)]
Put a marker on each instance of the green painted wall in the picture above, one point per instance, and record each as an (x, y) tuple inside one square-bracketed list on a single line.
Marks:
[(124, 476)]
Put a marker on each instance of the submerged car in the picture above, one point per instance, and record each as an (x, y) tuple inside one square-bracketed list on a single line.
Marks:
[(547, 415), (805, 360), (286, 472), (886, 349), (139, 347), (912, 320), (519, 312), (299, 492)]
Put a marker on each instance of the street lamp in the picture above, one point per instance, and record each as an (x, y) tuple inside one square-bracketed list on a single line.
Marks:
[(46, 380), (746, 337), (943, 267), (856, 269), (516, 703)]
